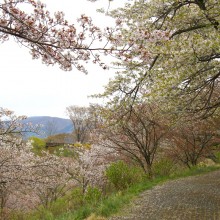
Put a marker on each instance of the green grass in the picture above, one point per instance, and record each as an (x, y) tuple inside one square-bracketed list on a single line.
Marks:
[(194, 171)]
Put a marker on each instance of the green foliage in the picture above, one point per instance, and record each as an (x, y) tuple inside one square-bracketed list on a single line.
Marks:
[(217, 155), (76, 198), (37, 142), (113, 204), (60, 206), (196, 170), (38, 145), (46, 214), (63, 151), (42, 213), (93, 195), (73, 201), (81, 213), (163, 167), (121, 175)]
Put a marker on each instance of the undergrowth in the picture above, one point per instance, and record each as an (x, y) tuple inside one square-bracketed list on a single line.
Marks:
[(78, 206)]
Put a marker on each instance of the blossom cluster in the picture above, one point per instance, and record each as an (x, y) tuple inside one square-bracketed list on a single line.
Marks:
[(50, 38), (88, 169)]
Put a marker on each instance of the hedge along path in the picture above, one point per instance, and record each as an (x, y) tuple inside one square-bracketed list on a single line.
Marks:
[(191, 198)]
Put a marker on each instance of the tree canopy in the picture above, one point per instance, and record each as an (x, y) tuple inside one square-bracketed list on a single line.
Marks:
[(173, 52)]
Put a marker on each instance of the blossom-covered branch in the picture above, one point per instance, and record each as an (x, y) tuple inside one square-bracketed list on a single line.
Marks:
[(50, 38)]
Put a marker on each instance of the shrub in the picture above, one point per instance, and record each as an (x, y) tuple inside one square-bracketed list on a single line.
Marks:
[(76, 198), (38, 145), (60, 206), (121, 175), (217, 155), (163, 167), (93, 195)]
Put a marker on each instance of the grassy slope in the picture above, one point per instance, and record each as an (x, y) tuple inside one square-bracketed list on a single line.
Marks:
[(115, 202)]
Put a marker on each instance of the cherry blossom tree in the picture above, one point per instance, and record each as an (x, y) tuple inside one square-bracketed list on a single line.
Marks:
[(88, 168), (83, 122), (191, 141), (51, 179), (50, 38), (135, 133), (172, 50)]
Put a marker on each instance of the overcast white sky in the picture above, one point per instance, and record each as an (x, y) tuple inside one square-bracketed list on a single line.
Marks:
[(31, 88)]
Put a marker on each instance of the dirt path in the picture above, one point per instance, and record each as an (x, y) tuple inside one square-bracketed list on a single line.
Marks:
[(191, 198)]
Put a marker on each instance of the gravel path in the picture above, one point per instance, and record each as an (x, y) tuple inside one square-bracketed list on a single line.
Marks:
[(191, 198)]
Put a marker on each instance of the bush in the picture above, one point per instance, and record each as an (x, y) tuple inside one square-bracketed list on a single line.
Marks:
[(76, 198), (60, 206), (121, 175), (163, 167), (38, 145), (93, 195), (217, 155)]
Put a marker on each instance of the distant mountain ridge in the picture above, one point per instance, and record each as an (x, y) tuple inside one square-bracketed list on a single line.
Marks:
[(49, 125)]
